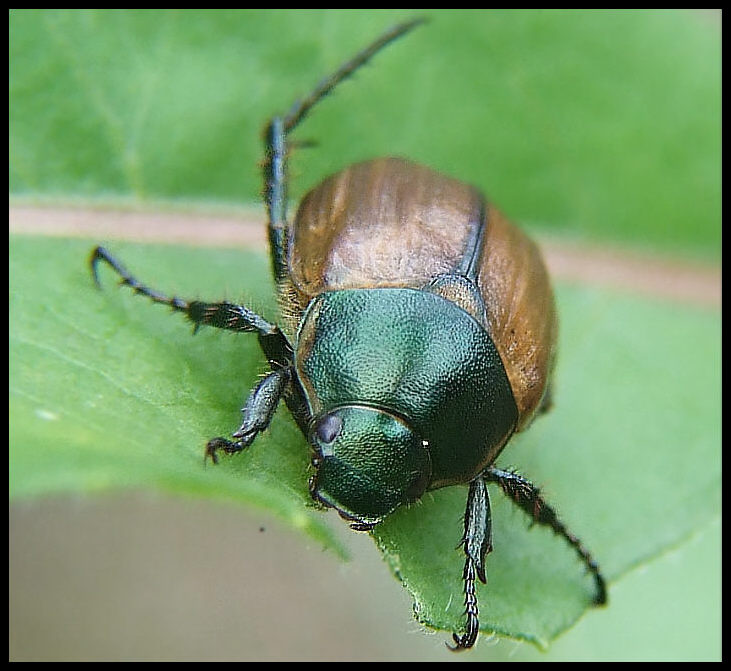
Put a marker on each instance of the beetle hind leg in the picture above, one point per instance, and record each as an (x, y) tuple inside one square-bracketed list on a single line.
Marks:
[(276, 151)]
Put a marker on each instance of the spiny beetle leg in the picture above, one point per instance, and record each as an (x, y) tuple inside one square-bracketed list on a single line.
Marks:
[(257, 413), (241, 319), (223, 315), (527, 497), (476, 542), (275, 143)]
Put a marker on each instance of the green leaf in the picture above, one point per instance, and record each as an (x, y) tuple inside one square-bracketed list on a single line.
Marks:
[(630, 456), (108, 391), (602, 124)]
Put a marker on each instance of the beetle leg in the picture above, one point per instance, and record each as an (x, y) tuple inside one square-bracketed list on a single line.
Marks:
[(527, 497), (221, 315), (275, 143), (275, 193), (477, 542), (257, 414), (228, 316)]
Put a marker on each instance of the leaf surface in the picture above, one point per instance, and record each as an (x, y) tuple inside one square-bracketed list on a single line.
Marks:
[(108, 391)]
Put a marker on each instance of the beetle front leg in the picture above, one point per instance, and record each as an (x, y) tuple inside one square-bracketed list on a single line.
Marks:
[(527, 497), (257, 413), (230, 317), (477, 542)]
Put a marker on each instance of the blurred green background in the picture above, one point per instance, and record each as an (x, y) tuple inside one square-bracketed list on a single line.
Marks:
[(586, 126), (600, 123)]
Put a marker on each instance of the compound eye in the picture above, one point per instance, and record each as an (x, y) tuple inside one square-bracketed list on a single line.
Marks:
[(328, 429)]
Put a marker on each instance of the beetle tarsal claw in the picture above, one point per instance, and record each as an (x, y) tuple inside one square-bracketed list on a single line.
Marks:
[(220, 443), (463, 642)]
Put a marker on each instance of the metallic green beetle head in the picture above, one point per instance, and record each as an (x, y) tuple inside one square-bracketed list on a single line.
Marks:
[(368, 463)]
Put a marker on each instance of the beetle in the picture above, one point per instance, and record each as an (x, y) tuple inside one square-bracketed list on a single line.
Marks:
[(418, 335)]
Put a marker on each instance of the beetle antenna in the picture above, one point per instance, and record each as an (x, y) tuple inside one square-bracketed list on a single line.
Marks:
[(301, 108)]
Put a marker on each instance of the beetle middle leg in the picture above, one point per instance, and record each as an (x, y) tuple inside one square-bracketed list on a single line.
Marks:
[(527, 497), (222, 315), (477, 539), (265, 397)]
